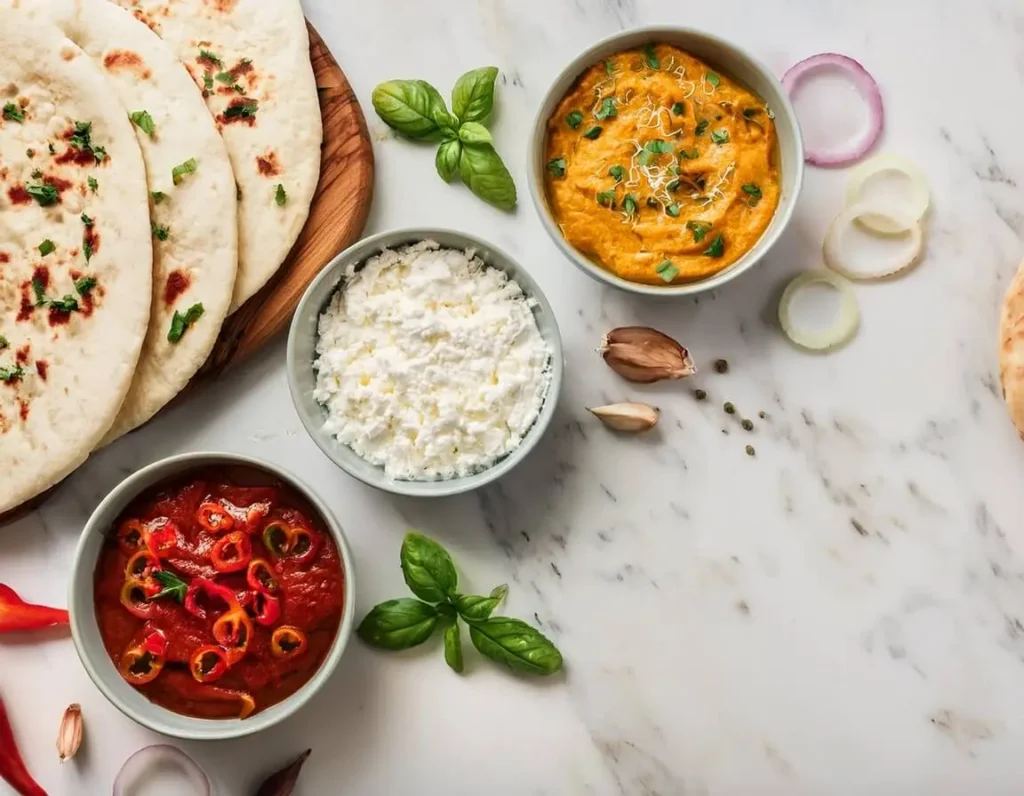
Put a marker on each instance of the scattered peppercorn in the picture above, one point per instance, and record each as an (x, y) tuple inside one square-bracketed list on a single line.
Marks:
[(750, 450), (729, 408), (700, 395), (721, 366), (747, 425), (762, 415)]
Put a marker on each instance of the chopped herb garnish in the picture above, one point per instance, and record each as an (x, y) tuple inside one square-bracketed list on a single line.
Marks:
[(673, 210), (556, 166), (144, 122), (30, 153), (93, 184), (84, 285), (9, 375), (673, 186), (699, 229), (609, 68), (4, 342), (206, 55), (667, 271), (81, 138), (652, 202), (246, 110), (281, 195), (652, 58), (87, 220), (46, 195), (754, 192), (87, 250), (225, 77), (157, 196), (593, 132), (181, 322), (574, 119), (13, 113), (207, 82), (52, 148), (67, 304), (606, 198), (716, 248), (47, 247), (37, 174), (160, 232), (652, 148), (617, 173), (40, 291), (750, 113), (178, 172), (174, 586), (678, 108), (692, 154), (629, 204), (607, 109), (713, 79), (720, 136), (702, 127)]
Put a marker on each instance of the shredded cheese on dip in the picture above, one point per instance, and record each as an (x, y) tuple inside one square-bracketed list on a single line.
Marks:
[(430, 363)]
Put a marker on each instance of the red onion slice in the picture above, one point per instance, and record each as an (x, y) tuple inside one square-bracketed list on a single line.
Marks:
[(150, 756), (868, 89)]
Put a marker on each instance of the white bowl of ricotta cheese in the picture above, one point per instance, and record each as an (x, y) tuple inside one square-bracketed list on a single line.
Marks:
[(425, 362)]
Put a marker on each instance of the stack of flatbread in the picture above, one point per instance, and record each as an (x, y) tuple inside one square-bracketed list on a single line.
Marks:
[(158, 159)]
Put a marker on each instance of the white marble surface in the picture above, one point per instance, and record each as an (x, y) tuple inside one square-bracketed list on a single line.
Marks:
[(842, 614)]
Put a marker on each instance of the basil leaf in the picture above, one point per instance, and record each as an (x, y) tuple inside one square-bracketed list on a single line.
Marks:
[(592, 132), (607, 109), (617, 173), (473, 95), (475, 133), (667, 271), (428, 569), (699, 229), (574, 119), (556, 166), (483, 171), (716, 248), (412, 108), (720, 136), (515, 644), (398, 624), (144, 122), (474, 608), (453, 647), (447, 159), (173, 586)]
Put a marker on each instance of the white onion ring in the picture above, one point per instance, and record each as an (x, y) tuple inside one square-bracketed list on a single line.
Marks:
[(916, 205), (150, 756), (897, 217), (841, 332), (868, 89)]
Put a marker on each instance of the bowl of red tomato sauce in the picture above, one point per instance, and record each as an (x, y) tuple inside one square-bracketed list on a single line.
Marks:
[(212, 595)]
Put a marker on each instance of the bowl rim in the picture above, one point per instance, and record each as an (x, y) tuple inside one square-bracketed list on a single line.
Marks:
[(389, 239), (201, 729), (538, 138)]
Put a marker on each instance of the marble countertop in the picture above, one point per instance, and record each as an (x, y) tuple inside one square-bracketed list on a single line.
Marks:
[(841, 614)]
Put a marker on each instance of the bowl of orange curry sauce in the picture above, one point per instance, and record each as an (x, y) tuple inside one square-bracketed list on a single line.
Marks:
[(665, 161), (212, 596)]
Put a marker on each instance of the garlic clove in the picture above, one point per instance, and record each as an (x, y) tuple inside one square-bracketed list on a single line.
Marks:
[(69, 739), (645, 355), (626, 416)]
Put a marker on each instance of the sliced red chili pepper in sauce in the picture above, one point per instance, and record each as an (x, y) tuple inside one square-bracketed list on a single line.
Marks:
[(208, 664), (262, 577), (135, 596), (265, 609), (142, 565), (288, 642), (162, 538), (286, 541), (233, 631), (140, 666), (215, 518), (18, 615), (203, 594), (232, 553), (131, 536), (155, 643)]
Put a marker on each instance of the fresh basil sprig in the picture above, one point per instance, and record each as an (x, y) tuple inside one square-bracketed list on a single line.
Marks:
[(417, 111), (430, 573)]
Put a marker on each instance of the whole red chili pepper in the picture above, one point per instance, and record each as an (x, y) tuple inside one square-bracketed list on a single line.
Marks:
[(16, 614), (12, 767)]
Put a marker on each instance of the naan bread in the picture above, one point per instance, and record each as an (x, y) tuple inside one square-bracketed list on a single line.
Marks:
[(76, 260), (1011, 349), (251, 58), (195, 223)]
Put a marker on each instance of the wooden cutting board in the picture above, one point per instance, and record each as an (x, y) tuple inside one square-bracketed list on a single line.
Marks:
[(337, 217)]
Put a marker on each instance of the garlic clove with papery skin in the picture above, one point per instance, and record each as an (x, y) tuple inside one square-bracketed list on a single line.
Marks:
[(642, 354), (632, 417)]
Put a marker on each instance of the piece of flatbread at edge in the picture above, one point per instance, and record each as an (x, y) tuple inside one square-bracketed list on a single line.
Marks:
[(76, 261), (195, 223), (1011, 349), (251, 58)]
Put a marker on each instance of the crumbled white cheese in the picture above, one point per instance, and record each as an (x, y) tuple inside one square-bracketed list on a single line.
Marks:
[(430, 363)]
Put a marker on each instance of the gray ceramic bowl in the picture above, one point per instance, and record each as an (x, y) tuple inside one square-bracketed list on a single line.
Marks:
[(86, 633), (731, 61), (302, 339)]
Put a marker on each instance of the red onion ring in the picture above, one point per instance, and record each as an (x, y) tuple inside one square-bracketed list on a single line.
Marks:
[(868, 89), (150, 756)]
